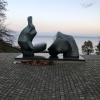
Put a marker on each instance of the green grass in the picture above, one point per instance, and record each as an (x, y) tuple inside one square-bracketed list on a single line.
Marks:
[(6, 47)]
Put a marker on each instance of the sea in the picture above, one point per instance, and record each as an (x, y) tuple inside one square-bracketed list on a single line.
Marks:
[(49, 40)]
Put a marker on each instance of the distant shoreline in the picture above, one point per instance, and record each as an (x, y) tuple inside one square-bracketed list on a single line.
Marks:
[(52, 34)]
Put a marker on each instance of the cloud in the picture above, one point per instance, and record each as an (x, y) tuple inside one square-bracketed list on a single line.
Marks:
[(87, 5)]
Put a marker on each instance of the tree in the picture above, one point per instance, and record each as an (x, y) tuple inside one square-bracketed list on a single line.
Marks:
[(4, 36), (2, 17), (98, 49), (87, 47)]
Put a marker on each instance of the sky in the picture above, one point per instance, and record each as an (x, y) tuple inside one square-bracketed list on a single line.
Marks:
[(50, 16)]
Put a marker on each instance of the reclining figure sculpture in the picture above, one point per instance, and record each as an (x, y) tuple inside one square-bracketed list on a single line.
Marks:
[(64, 44), (25, 40)]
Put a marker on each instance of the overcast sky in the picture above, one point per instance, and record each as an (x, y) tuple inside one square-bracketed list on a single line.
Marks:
[(68, 16)]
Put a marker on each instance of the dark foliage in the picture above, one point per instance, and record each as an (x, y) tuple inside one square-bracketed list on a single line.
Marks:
[(6, 47), (87, 47), (98, 49), (4, 36)]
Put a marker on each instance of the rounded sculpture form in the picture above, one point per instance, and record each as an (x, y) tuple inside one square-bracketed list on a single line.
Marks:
[(25, 40), (64, 44)]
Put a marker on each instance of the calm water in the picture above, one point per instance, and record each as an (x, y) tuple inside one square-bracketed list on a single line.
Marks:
[(49, 40)]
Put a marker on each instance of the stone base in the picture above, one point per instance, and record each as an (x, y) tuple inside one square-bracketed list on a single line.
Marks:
[(34, 62), (43, 59), (46, 57)]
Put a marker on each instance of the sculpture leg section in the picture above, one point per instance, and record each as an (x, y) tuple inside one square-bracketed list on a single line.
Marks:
[(27, 53), (66, 54), (39, 47), (53, 54)]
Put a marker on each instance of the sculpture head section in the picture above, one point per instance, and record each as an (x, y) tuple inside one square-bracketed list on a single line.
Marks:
[(29, 19)]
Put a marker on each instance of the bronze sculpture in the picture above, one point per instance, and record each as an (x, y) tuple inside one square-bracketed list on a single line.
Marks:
[(64, 44), (25, 40)]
